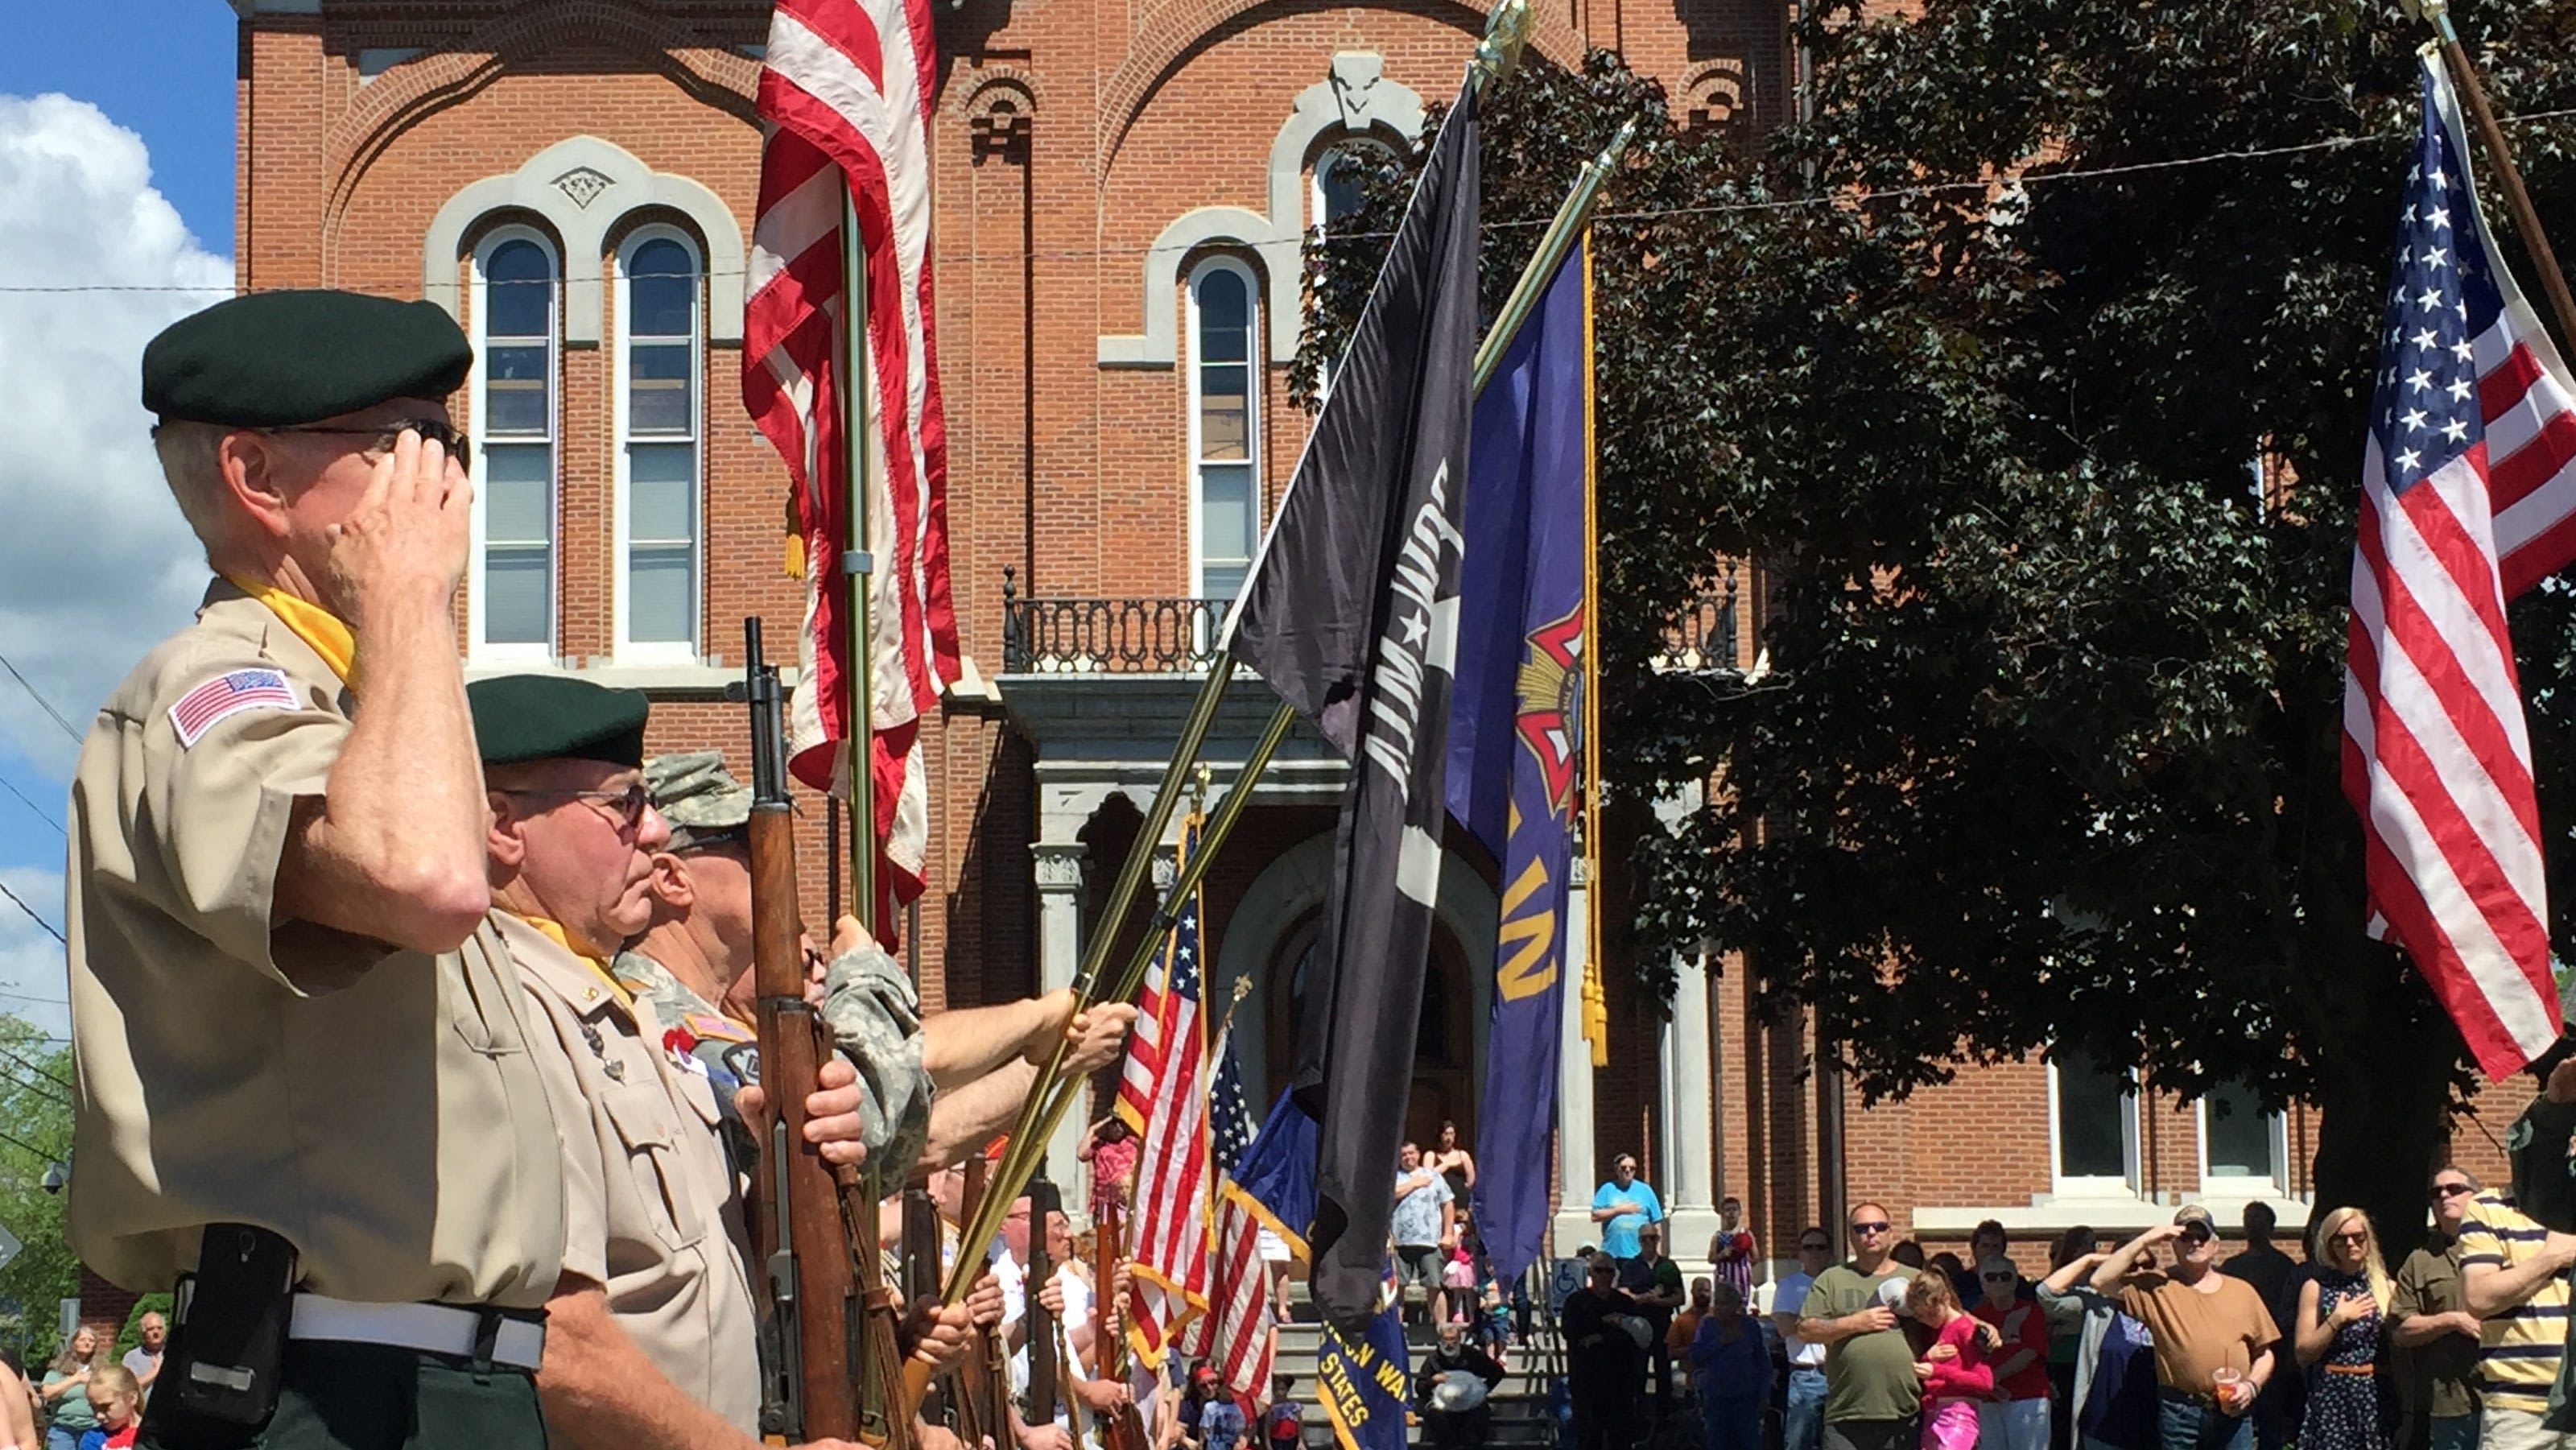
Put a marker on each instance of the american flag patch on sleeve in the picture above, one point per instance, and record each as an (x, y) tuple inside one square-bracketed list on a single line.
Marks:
[(228, 695)]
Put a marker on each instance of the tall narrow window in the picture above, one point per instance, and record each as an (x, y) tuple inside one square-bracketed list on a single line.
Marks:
[(1225, 426), (2093, 1125), (1336, 193), (512, 593), (2238, 1140), (658, 368)]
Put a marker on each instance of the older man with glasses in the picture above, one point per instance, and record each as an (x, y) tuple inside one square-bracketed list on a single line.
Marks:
[(1803, 1423), (1622, 1206), (2435, 1335), (2213, 1335), (1873, 1398)]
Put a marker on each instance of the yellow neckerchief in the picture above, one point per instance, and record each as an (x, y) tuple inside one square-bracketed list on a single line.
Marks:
[(312, 624), (556, 931)]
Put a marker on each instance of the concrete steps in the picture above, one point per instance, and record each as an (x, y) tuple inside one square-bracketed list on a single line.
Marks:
[(1521, 1417)]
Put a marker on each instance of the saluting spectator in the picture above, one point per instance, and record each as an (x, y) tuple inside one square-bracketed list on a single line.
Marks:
[(2341, 1310), (2515, 1274), (1622, 1206), (1873, 1399), (2436, 1337), (2019, 1419), (2213, 1337)]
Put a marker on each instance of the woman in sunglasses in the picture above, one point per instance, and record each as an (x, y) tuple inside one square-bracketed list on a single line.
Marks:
[(2341, 1321)]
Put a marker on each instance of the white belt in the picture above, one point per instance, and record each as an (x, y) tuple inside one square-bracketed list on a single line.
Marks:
[(430, 1328)]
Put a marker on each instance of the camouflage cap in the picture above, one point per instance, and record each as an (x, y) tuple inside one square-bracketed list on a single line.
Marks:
[(697, 795)]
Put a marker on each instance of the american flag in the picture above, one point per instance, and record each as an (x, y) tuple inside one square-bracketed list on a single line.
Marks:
[(1162, 1092), (2468, 498), (1237, 1335), (846, 91)]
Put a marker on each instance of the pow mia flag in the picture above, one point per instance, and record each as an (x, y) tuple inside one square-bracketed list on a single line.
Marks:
[(1351, 614)]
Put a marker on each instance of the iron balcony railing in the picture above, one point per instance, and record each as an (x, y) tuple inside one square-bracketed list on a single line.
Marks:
[(1107, 636)]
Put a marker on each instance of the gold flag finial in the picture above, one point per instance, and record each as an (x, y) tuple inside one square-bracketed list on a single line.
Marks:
[(1499, 53)]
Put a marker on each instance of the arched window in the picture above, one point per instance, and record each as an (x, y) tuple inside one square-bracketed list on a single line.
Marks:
[(1334, 192), (510, 597), (1225, 425), (659, 436)]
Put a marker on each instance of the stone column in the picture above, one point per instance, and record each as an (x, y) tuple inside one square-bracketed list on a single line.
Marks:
[(1575, 1176), (1690, 1102), (1058, 867)]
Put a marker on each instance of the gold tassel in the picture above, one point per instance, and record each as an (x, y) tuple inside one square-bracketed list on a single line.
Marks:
[(1596, 1015), (794, 560)]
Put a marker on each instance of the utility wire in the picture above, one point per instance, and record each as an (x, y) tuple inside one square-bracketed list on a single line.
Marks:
[(41, 813), (1827, 199), (41, 701), (50, 929), (32, 1151), (37, 1067)]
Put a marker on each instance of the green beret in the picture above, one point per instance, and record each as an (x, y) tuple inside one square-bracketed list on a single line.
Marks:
[(275, 359), (697, 795), (556, 717)]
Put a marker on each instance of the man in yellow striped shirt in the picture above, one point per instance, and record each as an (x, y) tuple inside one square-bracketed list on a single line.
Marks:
[(2515, 1272)]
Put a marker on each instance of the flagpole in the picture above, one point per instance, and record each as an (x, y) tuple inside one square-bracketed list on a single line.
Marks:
[(859, 569), (1572, 217), (2526, 219)]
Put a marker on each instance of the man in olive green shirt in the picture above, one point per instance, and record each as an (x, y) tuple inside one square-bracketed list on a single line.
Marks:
[(2437, 1337), (1873, 1399)]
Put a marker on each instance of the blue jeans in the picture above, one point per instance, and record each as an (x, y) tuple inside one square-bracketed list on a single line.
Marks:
[(1803, 1425), (1733, 1424), (59, 1438), (2182, 1425), (2452, 1432)]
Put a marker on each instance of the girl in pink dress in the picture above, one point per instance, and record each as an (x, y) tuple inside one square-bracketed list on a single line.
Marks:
[(1954, 1370)]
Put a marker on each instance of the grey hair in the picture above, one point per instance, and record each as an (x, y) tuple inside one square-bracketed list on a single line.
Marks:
[(191, 456)]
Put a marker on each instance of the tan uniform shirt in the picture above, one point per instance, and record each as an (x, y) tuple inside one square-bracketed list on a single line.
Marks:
[(385, 1115), (650, 1206)]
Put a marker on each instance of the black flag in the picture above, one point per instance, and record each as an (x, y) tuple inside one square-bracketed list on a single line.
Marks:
[(1351, 614)]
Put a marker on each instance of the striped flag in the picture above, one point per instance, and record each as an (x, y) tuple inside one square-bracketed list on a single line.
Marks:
[(2468, 498), (1163, 1094), (1237, 1335), (845, 94)]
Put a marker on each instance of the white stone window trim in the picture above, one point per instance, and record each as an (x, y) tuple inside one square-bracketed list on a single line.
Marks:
[(1253, 385), (475, 593), (657, 652), (2240, 1187), (1355, 97), (2124, 1188)]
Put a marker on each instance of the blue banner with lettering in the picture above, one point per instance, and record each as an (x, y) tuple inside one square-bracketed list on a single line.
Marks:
[(1364, 1386), (1514, 727)]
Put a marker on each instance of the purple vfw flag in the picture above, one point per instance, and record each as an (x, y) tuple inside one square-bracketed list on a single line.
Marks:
[(1514, 727)]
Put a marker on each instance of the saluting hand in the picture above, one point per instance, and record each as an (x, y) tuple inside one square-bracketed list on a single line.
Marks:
[(406, 540)]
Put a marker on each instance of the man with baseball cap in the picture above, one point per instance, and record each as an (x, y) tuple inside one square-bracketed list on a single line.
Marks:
[(299, 1041), (2213, 1336), (933, 1090)]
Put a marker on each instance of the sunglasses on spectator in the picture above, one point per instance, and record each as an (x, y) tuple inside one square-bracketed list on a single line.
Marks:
[(1818, 1246), (458, 443), (1998, 1278), (2451, 1190), (1874, 1226), (2351, 1236)]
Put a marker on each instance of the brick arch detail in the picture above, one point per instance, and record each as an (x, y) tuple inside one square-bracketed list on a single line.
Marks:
[(407, 92), (996, 83), (1183, 27)]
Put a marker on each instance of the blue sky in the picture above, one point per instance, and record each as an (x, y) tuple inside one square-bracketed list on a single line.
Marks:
[(127, 183), (162, 68)]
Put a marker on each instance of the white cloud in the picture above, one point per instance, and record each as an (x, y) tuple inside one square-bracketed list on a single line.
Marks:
[(32, 981), (95, 563)]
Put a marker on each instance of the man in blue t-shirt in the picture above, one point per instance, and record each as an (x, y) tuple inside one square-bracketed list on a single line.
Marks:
[(1622, 1206)]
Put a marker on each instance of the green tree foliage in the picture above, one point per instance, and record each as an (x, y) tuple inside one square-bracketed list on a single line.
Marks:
[(2049, 750), (35, 1113)]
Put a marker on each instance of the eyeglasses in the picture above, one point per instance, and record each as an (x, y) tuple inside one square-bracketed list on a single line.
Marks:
[(458, 443), (2451, 1190), (2350, 1236), (631, 802), (1874, 1226), (1815, 1248), (1998, 1278)]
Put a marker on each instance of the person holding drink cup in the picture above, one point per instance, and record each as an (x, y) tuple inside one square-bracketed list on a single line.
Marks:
[(2213, 1337)]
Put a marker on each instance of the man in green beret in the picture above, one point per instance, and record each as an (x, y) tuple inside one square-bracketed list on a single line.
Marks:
[(936, 1090), (651, 1339), (297, 1036)]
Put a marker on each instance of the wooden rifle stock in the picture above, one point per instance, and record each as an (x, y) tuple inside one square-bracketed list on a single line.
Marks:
[(1043, 1367), (984, 1381), (1122, 1428), (827, 1298)]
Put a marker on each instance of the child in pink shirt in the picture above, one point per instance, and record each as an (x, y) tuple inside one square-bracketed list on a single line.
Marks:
[(1954, 1370)]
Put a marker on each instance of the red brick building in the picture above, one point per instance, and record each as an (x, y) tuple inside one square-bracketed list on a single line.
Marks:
[(1121, 190)]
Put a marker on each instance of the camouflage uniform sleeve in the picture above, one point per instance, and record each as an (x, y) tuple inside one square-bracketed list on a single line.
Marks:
[(876, 1023)]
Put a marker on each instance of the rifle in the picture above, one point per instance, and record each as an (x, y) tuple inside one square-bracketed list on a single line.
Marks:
[(1041, 1324), (1122, 1428), (983, 1381), (831, 1319)]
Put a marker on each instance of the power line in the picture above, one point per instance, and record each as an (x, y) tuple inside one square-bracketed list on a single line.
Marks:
[(41, 813), (1829, 199), (36, 1067), (41, 701), (50, 929), (31, 1150)]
